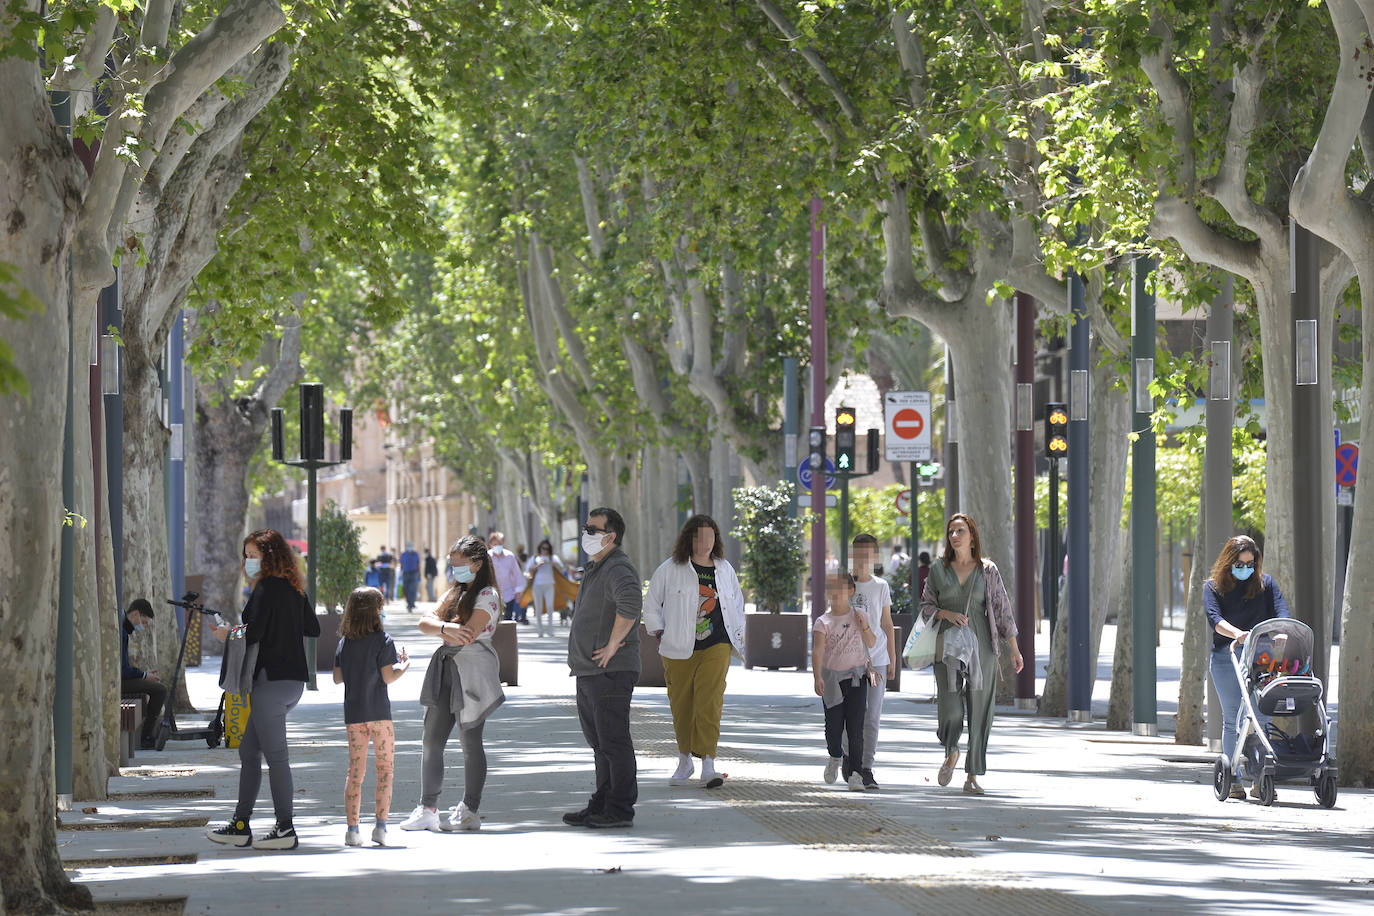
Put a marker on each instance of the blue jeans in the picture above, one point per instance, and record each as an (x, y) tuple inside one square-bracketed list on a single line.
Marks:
[(1229, 692)]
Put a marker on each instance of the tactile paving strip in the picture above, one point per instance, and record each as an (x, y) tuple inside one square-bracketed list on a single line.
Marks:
[(978, 898)]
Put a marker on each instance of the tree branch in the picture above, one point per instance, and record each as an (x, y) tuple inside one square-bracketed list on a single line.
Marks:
[(590, 209), (1178, 219), (80, 71), (800, 102), (1174, 101), (789, 31)]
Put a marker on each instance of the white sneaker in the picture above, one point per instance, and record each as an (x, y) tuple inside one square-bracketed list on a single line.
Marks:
[(353, 837), (856, 782), (461, 818), (683, 774), (832, 770), (422, 818), (379, 835), (710, 779)]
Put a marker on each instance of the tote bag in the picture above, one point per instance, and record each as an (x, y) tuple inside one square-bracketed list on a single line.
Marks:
[(240, 660), (923, 646)]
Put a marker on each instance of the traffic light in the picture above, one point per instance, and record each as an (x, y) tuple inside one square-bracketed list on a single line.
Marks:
[(844, 439), (925, 474), (816, 447), (1056, 430), (872, 451)]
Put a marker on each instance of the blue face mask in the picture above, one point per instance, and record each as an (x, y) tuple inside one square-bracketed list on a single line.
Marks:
[(1242, 572), (251, 567), (463, 574)]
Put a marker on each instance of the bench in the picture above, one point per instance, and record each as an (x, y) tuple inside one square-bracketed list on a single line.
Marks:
[(131, 711)]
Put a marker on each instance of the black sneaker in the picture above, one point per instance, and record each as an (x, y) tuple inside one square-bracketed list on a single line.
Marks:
[(234, 833), (579, 818), (870, 783), (278, 837), (602, 821)]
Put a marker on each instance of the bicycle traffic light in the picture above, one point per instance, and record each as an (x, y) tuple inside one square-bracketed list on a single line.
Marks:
[(1056, 430), (844, 439)]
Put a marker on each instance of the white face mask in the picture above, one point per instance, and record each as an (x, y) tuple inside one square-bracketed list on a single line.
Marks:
[(592, 543)]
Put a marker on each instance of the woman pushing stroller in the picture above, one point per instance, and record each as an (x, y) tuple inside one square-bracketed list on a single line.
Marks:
[(1237, 596)]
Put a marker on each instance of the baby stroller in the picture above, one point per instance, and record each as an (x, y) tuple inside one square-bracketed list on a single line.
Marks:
[(1275, 674)]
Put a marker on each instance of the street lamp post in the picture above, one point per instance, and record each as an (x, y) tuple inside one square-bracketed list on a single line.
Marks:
[(312, 459)]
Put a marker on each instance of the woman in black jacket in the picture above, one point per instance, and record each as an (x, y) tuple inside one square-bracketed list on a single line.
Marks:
[(278, 616)]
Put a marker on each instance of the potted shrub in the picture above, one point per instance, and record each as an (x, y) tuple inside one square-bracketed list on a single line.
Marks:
[(771, 565), (339, 568)]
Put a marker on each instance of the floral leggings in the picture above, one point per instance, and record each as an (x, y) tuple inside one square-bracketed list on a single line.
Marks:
[(383, 738)]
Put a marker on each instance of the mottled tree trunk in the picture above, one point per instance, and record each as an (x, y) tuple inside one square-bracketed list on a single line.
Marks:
[(93, 670), (1121, 705), (1191, 726)]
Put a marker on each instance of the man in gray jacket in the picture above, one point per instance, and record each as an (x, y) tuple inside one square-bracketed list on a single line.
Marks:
[(603, 654)]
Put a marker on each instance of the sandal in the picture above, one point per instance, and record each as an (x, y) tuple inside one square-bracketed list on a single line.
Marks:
[(971, 787), (947, 769)]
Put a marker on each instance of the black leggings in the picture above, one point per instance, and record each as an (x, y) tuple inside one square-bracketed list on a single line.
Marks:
[(847, 716)]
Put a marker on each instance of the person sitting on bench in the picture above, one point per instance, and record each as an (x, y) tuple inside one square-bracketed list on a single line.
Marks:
[(135, 681)]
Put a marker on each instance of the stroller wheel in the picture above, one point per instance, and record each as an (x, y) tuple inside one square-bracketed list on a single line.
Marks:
[(1326, 791), (1267, 791), (1221, 778)]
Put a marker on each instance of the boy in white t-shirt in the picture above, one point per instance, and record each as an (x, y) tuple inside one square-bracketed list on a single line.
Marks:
[(875, 597)]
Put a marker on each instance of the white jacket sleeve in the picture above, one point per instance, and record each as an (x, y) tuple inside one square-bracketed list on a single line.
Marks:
[(653, 602)]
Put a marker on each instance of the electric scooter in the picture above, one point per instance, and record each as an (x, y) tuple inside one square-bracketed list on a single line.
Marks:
[(167, 729)]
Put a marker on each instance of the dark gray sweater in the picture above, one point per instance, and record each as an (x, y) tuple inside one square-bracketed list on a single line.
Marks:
[(610, 589)]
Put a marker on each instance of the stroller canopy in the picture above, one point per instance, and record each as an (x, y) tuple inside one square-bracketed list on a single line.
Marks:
[(1280, 647)]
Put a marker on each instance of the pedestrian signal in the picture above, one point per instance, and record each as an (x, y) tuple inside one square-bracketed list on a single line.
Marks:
[(844, 438), (925, 474), (1056, 430), (816, 448)]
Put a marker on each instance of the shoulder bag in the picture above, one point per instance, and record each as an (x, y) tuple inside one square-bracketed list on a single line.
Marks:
[(923, 647)]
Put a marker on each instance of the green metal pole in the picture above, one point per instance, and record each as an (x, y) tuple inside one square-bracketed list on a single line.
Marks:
[(313, 544), (1144, 510), (844, 520), (915, 540)]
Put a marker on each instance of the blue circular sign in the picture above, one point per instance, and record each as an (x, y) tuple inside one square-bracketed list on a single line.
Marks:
[(804, 473)]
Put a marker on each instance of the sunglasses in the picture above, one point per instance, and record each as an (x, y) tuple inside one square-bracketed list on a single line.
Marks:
[(1243, 565), (592, 529)]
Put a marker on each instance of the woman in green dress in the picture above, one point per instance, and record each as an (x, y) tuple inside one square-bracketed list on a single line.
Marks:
[(964, 589)]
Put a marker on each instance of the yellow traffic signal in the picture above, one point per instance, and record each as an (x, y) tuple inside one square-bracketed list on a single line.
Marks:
[(1056, 431), (845, 418)]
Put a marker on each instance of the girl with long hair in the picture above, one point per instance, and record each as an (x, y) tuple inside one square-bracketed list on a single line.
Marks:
[(278, 617), (462, 686), (365, 662)]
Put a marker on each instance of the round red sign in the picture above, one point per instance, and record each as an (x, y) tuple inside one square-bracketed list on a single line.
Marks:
[(907, 423)]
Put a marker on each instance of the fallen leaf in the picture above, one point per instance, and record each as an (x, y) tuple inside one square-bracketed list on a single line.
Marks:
[(611, 871), (88, 810), (992, 836)]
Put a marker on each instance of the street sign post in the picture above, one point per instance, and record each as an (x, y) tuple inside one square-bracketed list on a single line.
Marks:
[(1347, 463), (906, 416)]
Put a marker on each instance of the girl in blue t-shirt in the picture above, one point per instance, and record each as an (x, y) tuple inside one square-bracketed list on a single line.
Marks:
[(365, 662)]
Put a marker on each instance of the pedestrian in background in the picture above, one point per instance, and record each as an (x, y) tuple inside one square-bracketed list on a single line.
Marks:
[(603, 654), (542, 571), (873, 596), (365, 662), (134, 681), (696, 609), (1237, 596), (509, 578), (386, 569), (278, 617), (410, 575), (462, 686), (431, 573), (965, 589), (840, 643)]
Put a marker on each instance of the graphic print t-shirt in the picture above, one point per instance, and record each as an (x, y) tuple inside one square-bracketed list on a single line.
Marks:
[(710, 620)]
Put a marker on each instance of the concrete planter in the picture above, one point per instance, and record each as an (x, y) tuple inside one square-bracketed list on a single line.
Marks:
[(902, 624), (328, 641), (650, 662), (777, 641), (506, 642)]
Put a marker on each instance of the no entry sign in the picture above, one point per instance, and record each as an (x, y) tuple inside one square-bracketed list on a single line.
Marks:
[(904, 502), (907, 418), (1347, 463)]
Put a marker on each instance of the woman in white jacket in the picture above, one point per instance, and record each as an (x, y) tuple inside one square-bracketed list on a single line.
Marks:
[(696, 609)]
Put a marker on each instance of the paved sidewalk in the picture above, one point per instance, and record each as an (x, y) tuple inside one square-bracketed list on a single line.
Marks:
[(1076, 820)]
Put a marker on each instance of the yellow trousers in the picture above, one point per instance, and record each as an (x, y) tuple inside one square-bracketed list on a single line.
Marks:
[(696, 693)]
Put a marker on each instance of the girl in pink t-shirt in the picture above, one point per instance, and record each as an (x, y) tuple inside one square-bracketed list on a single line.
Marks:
[(841, 638)]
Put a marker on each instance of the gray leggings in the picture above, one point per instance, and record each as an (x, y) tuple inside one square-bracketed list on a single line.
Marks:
[(439, 725), (265, 736)]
